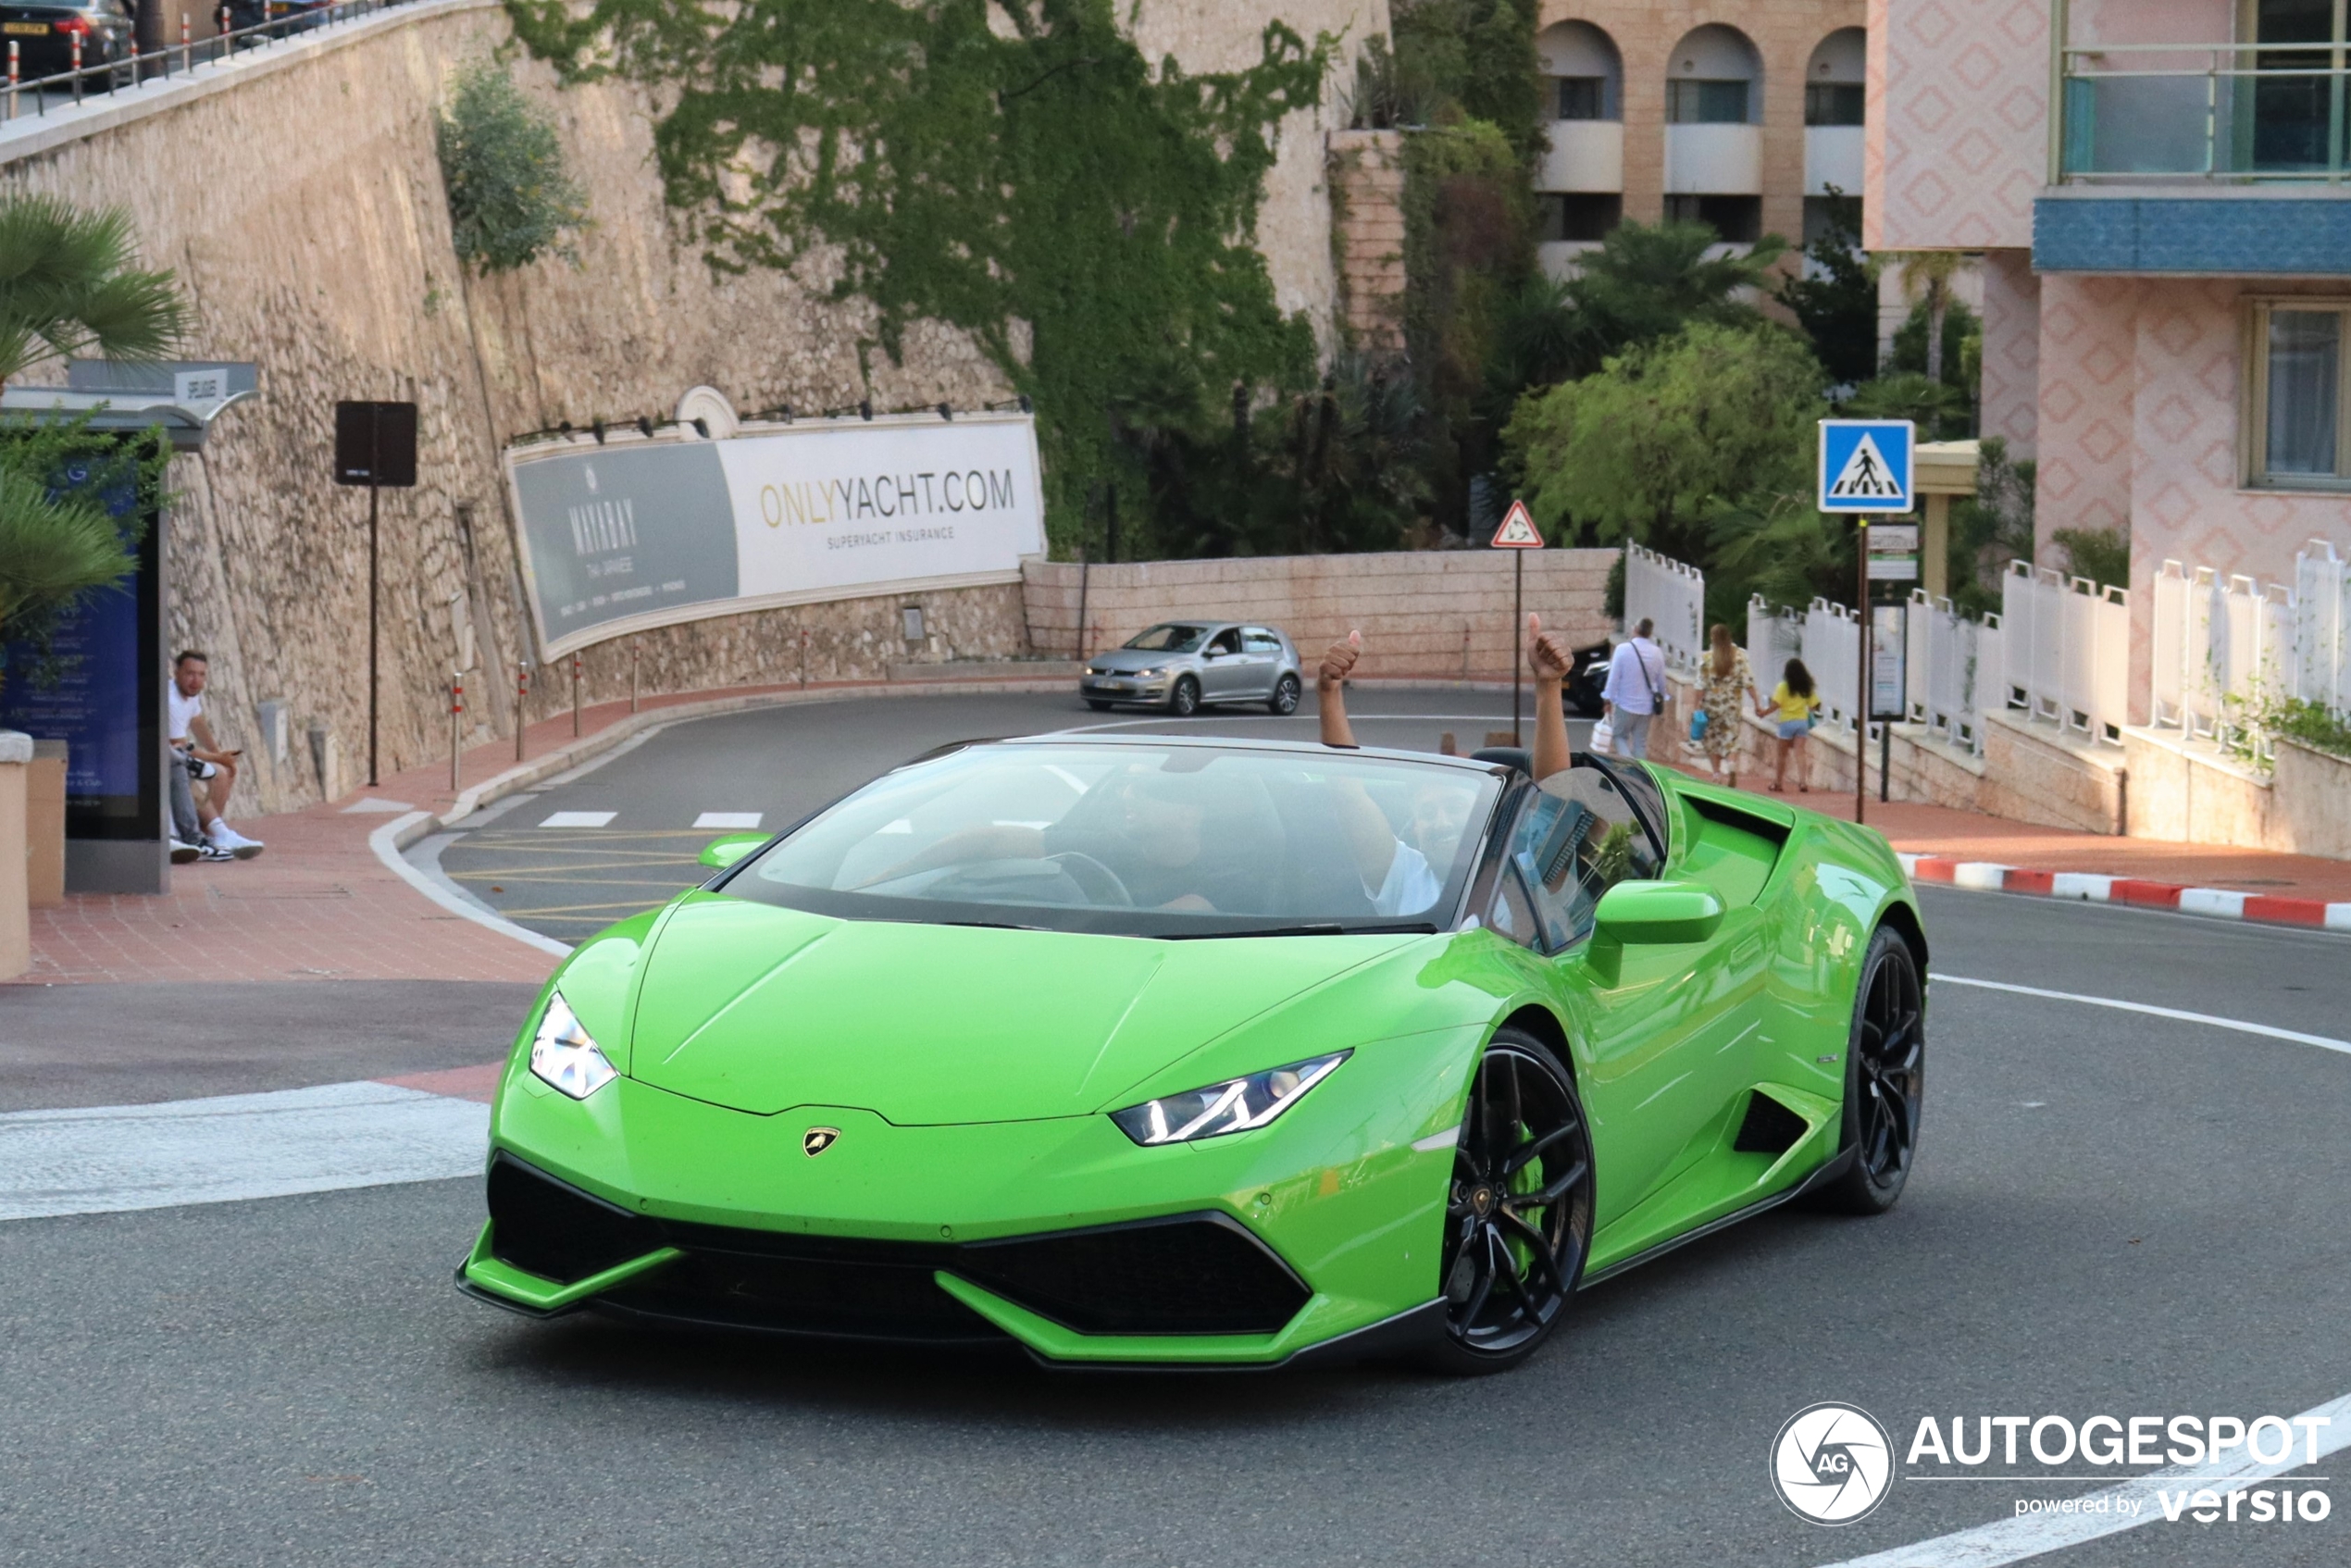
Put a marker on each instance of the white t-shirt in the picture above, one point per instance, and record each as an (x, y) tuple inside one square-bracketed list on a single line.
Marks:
[(183, 709), (1410, 887)]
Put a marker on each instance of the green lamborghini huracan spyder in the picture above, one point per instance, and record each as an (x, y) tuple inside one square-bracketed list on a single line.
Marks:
[(1210, 1052)]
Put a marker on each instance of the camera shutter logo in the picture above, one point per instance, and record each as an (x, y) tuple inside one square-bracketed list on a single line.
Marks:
[(1832, 1463)]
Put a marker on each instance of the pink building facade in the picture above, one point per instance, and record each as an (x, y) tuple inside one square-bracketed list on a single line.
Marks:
[(2159, 193)]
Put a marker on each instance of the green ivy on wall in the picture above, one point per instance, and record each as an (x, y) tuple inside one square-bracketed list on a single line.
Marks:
[(994, 167)]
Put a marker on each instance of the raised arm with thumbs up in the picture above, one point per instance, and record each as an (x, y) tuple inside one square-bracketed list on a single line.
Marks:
[(1330, 688), (1551, 660)]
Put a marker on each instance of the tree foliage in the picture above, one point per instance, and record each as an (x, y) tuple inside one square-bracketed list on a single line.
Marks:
[(70, 283), (72, 516), (1459, 60), (1669, 433), (1991, 527), (1039, 172), (1834, 299), (511, 198)]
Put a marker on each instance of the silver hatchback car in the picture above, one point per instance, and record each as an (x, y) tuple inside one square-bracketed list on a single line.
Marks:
[(1181, 665)]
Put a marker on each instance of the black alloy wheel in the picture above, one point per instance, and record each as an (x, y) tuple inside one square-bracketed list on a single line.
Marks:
[(1183, 700), (1285, 698), (1518, 1211), (1884, 1079)]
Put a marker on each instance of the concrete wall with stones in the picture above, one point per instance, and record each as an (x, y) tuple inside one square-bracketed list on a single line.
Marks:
[(1367, 206), (327, 261), (1436, 614)]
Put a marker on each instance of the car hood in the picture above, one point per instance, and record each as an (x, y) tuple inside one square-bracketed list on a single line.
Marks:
[(1125, 661), (765, 1009)]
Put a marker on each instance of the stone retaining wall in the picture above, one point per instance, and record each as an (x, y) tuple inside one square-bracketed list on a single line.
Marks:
[(1438, 612)]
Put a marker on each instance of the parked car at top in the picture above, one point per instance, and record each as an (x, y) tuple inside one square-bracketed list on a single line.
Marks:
[(1181, 665), (44, 34)]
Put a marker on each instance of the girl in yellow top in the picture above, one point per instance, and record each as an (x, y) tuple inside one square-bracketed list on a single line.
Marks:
[(1793, 702)]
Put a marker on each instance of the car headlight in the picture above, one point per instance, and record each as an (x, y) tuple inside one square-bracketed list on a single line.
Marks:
[(1236, 1105), (1151, 674), (563, 1057)]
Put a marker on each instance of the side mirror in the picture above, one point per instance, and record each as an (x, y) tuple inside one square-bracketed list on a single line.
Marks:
[(722, 852), (1658, 913)]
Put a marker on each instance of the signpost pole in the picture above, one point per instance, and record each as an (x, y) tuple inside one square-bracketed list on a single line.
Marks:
[(373, 490), (1518, 643), (1861, 713)]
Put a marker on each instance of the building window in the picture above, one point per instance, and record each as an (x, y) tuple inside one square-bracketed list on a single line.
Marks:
[(2299, 395), (1706, 102), (1583, 98), (1833, 103), (1577, 216), (1738, 219)]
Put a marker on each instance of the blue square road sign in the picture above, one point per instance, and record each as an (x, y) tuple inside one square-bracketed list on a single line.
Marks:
[(1866, 465)]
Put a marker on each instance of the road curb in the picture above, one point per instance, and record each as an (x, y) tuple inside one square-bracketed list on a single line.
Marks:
[(2085, 887)]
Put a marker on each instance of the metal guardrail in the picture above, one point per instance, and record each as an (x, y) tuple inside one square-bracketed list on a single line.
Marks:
[(280, 21)]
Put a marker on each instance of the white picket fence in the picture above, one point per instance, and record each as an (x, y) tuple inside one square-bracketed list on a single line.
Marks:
[(1951, 669), (2066, 646), (1671, 594), (2220, 641)]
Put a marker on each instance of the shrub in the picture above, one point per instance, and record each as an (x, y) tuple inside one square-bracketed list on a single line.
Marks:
[(511, 199)]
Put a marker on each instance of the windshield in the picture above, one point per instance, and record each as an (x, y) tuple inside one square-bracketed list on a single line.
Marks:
[(1140, 840), (1172, 637)]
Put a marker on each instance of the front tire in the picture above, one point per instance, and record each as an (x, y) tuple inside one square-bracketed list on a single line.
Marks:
[(1884, 1079), (1284, 702), (1183, 700), (1518, 1210)]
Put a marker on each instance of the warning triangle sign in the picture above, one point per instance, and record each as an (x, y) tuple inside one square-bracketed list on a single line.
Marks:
[(1517, 532), (1866, 475)]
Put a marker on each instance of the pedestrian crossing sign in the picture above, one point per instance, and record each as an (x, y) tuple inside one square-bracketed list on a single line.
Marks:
[(1866, 465), (1518, 531)]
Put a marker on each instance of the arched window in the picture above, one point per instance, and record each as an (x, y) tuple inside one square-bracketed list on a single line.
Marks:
[(1714, 77), (1833, 80), (1586, 73)]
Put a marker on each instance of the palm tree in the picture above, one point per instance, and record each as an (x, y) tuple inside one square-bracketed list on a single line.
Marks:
[(1929, 273), (69, 281)]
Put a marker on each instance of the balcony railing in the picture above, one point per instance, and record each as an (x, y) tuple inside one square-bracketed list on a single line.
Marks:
[(2237, 113)]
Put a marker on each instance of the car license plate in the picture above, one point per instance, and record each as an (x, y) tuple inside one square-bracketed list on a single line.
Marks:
[(39, 30)]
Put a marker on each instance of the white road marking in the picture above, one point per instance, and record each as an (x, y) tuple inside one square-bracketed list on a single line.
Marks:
[(579, 818), (385, 841), (2014, 1539), (376, 803), (2325, 1041), (103, 1159), (742, 819)]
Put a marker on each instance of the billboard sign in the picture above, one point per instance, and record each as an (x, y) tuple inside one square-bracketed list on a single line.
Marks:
[(639, 533)]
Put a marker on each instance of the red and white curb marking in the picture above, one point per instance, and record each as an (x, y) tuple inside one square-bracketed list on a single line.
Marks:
[(1985, 875)]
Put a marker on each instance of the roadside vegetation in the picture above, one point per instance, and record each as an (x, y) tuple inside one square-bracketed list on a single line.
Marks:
[(70, 518)]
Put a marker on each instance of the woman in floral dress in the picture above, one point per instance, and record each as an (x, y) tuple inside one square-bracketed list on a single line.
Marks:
[(1726, 688)]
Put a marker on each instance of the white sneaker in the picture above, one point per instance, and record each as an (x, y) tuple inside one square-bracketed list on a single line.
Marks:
[(183, 853), (211, 852), (228, 839)]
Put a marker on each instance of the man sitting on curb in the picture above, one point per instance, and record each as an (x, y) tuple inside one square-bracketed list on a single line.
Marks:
[(199, 830)]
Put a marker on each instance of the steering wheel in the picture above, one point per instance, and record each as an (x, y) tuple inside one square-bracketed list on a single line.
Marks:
[(1098, 882)]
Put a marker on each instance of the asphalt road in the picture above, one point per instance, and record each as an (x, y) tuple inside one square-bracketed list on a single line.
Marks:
[(2111, 1213)]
